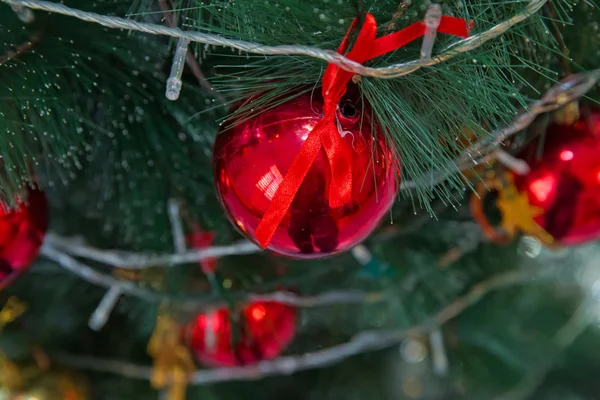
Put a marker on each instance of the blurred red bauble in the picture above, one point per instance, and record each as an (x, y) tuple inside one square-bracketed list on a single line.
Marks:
[(564, 181), (266, 328), (22, 232), (252, 157)]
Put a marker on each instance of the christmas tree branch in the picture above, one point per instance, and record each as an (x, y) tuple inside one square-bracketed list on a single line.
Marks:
[(392, 71), (361, 343), (92, 276), (569, 89), (484, 151)]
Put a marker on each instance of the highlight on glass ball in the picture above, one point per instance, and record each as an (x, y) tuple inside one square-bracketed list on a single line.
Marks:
[(564, 182), (252, 157), (265, 329), (22, 232)]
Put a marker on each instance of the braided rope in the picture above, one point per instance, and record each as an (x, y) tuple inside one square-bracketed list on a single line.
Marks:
[(392, 71)]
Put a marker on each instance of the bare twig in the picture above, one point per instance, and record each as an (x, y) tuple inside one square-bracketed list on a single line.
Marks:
[(130, 260), (438, 352), (176, 227), (92, 276), (361, 343)]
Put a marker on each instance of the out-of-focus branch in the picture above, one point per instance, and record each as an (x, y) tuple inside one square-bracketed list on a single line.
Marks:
[(361, 343), (130, 260), (92, 276), (563, 339)]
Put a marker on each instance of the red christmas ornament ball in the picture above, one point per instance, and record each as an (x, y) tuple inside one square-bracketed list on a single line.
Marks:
[(22, 232), (252, 157), (565, 180), (266, 328)]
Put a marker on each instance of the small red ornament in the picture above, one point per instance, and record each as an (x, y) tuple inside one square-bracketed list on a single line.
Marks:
[(266, 328), (252, 157), (564, 183), (22, 232), (199, 239)]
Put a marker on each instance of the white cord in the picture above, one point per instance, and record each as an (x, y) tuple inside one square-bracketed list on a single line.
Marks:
[(392, 71)]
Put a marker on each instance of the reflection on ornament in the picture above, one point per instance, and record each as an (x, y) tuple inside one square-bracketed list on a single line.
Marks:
[(566, 155), (270, 182), (543, 188)]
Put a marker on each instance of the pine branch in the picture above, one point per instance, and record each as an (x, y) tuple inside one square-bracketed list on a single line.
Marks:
[(394, 71)]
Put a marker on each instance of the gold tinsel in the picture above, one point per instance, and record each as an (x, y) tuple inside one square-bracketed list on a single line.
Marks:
[(173, 363), (32, 383)]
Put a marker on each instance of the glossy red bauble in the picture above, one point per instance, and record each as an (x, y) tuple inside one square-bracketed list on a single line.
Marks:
[(22, 232), (252, 157), (564, 181), (265, 329)]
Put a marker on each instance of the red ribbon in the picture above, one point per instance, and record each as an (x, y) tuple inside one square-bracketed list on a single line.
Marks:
[(325, 135)]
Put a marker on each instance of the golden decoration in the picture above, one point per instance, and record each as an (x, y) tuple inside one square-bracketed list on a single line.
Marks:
[(173, 363), (37, 384), (149, 277), (12, 310), (517, 214), (567, 115)]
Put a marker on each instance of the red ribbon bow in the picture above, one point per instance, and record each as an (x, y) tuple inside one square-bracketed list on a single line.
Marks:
[(325, 134)]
